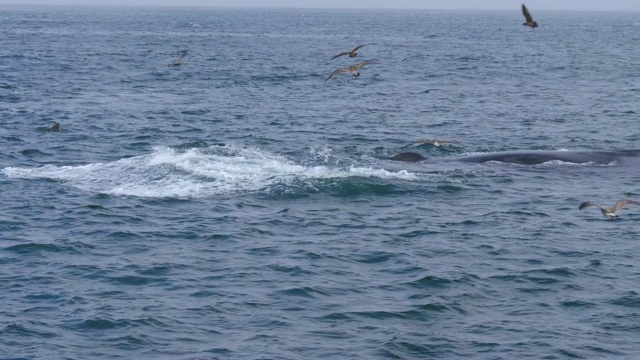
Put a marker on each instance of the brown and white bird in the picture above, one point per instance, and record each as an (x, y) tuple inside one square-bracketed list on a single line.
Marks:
[(609, 213), (351, 53), (179, 61), (527, 17), (354, 69), (434, 142)]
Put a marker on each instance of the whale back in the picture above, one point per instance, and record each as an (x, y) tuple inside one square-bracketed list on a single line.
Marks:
[(408, 157), (540, 157), (535, 157)]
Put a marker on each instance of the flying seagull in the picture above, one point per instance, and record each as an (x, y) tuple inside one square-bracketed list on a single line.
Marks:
[(352, 69), (609, 213), (529, 20), (178, 61), (351, 53), (434, 142)]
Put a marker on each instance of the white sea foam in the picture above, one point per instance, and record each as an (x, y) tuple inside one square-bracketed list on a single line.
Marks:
[(167, 172)]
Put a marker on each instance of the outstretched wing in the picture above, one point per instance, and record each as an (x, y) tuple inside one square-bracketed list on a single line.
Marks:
[(359, 65), (417, 142), (587, 204), (338, 71), (341, 54), (178, 61), (622, 203), (359, 46), (526, 14), (446, 141)]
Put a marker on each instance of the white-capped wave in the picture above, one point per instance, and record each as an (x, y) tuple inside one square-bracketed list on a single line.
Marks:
[(196, 172)]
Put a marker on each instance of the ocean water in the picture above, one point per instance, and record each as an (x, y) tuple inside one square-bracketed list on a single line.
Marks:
[(240, 207)]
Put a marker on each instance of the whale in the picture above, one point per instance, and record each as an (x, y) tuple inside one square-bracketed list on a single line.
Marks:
[(408, 157), (535, 157)]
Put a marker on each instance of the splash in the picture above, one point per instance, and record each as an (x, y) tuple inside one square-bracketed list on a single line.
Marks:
[(195, 172)]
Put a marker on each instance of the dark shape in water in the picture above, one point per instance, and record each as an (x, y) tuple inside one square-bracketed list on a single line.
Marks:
[(536, 157), (539, 157), (609, 213), (408, 157), (55, 127)]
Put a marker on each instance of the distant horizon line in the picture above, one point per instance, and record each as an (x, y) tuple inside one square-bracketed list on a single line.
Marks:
[(276, 7)]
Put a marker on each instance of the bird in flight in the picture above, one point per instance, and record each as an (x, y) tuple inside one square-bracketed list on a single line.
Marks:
[(434, 142), (352, 69), (351, 53), (178, 61), (527, 17), (609, 213)]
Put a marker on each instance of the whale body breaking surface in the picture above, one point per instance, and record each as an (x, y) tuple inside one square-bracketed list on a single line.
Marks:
[(534, 157)]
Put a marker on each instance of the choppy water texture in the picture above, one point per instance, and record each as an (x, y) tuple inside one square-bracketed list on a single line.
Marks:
[(240, 207)]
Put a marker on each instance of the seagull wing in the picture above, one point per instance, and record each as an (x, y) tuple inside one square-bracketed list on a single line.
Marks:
[(338, 71), (341, 54), (417, 142), (359, 46), (526, 14), (587, 204), (622, 203), (359, 65), (178, 61)]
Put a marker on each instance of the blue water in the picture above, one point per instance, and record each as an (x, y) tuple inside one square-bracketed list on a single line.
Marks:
[(240, 207)]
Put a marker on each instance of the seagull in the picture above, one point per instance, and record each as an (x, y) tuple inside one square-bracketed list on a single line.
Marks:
[(609, 213), (178, 61), (528, 18), (352, 69), (351, 53), (434, 142), (55, 127)]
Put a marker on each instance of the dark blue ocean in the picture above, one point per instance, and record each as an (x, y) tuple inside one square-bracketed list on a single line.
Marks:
[(240, 207)]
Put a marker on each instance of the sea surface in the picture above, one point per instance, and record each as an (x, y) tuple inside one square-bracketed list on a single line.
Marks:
[(241, 207)]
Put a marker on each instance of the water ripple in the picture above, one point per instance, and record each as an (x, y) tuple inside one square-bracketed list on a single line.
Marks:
[(239, 207)]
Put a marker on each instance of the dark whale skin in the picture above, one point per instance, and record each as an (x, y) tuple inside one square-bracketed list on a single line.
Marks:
[(535, 157), (408, 157), (541, 156)]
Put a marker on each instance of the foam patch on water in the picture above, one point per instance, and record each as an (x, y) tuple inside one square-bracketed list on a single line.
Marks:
[(167, 172)]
